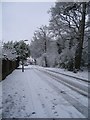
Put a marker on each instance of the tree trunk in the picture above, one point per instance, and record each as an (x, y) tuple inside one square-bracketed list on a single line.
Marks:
[(46, 65), (78, 54), (22, 65), (45, 47)]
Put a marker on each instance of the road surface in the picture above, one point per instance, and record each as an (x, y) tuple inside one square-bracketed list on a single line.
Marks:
[(35, 94)]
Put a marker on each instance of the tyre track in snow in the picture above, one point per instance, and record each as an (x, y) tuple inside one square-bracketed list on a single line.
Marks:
[(80, 107), (82, 89), (51, 108), (50, 113), (81, 79), (41, 104)]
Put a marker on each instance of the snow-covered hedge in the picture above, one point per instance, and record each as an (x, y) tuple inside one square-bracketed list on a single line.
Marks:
[(9, 54), (10, 61)]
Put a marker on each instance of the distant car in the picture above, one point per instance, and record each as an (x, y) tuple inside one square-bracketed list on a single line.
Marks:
[(26, 64), (31, 63)]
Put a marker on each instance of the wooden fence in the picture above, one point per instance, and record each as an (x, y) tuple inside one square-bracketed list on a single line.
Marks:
[(8, 66)]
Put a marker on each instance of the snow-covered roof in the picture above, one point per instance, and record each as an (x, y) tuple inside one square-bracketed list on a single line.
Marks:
[(30, 59)]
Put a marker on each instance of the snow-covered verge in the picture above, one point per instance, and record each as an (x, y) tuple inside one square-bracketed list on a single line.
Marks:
[(81, 74), (33, 94)]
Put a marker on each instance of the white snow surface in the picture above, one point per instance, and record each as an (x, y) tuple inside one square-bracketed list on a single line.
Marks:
[(80, 74), (34, 94)]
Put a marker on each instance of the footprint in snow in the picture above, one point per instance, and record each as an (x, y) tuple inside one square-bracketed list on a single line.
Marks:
[(9, 95), (33, 113), (56, 113), (43, 105), (24, 96), (19, 110), (53, 107), (38, 94), (12, 102), (54, 99), (16, 93), (63, 92), (6, 101)]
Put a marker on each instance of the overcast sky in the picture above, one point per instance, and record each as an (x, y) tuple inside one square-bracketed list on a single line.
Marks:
[(21, 19)]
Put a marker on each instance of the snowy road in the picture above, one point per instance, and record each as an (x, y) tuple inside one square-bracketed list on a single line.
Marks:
[(34, 94), (76, 84)]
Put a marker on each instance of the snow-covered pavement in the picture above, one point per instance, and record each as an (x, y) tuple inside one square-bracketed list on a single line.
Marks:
[(34, 94)]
